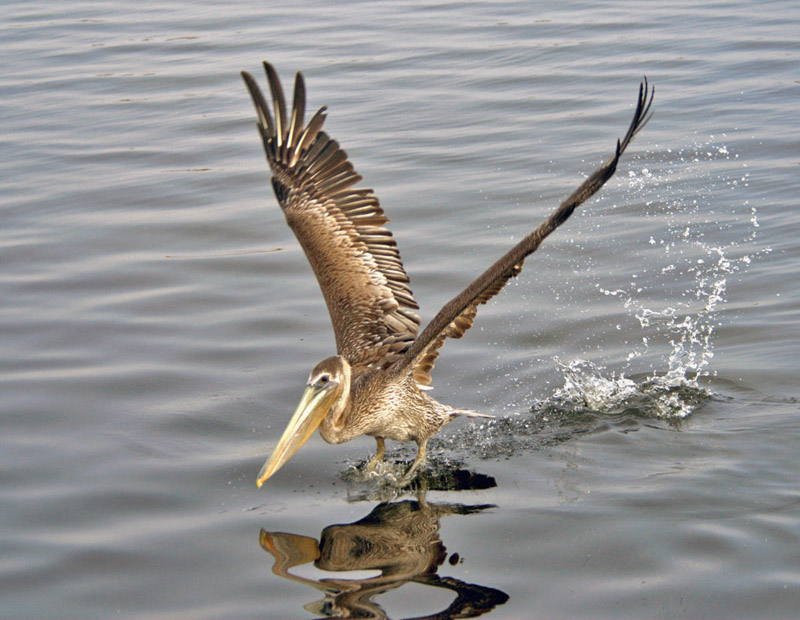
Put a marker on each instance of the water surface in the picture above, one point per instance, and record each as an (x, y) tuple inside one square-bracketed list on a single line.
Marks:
[(159, 320)]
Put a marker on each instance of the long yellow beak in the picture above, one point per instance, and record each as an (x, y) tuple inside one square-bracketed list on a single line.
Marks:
[(313, 407)]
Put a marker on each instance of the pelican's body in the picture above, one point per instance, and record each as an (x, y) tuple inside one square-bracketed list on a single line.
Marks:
[(379, 406), (376, 385)]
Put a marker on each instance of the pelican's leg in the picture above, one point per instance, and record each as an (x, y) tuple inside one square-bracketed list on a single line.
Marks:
[(379, 452), (415, 465)]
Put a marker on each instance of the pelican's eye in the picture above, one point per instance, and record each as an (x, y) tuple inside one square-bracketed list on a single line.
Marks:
[(324, 380)]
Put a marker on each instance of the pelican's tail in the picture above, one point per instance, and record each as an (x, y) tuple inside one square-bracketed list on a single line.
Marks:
[(468, 413)]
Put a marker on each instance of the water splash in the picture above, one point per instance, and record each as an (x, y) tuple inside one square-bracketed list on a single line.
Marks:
[(686, 326), (673, 395)]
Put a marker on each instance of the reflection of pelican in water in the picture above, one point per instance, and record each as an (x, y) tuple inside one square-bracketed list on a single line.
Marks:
[(401, 540), (376, 384)]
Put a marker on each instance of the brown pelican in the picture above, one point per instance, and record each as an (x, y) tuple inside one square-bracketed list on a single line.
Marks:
[(376, 384)]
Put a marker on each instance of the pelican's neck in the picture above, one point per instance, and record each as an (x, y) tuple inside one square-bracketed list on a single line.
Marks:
[(334, 425)]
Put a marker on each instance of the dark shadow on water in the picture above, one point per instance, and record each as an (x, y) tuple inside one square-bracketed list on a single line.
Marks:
[(401, 541), (438, 474)]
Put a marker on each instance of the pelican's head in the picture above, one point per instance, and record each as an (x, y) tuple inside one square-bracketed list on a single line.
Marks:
[(329, 380)]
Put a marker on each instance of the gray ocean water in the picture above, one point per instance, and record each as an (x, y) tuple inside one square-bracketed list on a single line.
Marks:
[(158, 319)]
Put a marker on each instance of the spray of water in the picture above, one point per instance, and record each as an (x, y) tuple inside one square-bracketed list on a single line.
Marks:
[(686, 325)]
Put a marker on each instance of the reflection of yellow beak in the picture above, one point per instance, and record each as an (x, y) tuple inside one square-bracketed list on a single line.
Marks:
[(289, 550), (313, 407)]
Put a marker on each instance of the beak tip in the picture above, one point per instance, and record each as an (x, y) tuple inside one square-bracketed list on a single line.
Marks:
[(312, 409)]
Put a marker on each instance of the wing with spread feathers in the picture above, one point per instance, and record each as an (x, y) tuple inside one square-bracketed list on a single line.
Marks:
[(458, 314), (340, 228)]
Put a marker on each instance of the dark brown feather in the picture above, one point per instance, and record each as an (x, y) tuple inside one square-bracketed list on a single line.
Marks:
[(341, 229)]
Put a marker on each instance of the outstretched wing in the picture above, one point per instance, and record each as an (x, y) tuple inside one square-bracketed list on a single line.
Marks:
[(458, 314), (341, 229)]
